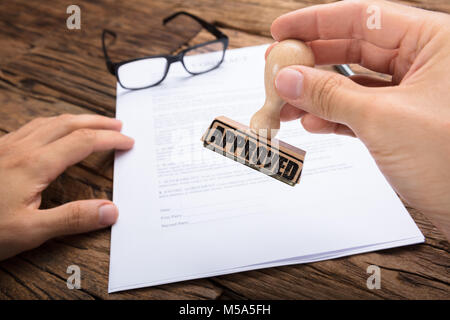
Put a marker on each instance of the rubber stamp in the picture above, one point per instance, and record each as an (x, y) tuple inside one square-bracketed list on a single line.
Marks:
[(273, 157), (286, 53), (256, 146)]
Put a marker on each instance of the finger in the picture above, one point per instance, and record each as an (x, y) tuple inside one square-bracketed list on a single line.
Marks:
[(77, 217), (349, 20), (328, 95), (369, 81), (353, 51), (28, 128), (64, 124), (269, 48), (312, 123), (289, 113), (315, 124), (5, 138), (55, 157)]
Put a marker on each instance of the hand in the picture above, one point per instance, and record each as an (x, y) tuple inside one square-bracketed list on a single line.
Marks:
[(33, 156), (405, 123)]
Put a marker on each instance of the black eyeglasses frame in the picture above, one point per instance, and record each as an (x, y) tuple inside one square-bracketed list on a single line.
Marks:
[(220, 38)]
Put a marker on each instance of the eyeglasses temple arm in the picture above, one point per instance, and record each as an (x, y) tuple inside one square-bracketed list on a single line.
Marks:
[(208, 26), (109, 64)]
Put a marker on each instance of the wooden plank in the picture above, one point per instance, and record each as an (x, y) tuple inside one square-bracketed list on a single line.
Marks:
[(255, 17), (51, 62), (91, 254), (47, 70), (21, 279)]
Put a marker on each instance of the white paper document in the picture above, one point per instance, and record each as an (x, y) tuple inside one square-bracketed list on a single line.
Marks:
[(187, 212)]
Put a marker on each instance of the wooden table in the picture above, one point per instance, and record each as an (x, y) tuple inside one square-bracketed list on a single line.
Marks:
[(46, 70)]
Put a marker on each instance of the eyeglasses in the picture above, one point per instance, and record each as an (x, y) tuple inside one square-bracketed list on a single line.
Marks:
[(150, 71)]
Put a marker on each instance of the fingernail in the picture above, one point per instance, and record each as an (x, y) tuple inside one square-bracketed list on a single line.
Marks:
[(107, 214), (289, 83)]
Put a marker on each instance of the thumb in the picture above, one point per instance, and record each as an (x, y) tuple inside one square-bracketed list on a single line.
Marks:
[(327, 95), (78, 217)]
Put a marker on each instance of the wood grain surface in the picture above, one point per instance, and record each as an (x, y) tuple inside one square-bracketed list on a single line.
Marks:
[(46, 70)]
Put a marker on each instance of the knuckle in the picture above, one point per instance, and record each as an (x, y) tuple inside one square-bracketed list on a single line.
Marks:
[(21, 160), (354, 50), (74, 217), (324, 92), (9, 163), (66, 120), (37, 121), (38, 162), (86, 134)]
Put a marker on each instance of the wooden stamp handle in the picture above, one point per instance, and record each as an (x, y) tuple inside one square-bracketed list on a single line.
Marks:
[(266, 122)]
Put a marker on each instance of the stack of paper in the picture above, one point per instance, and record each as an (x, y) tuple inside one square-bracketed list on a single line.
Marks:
[(187, 212)]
